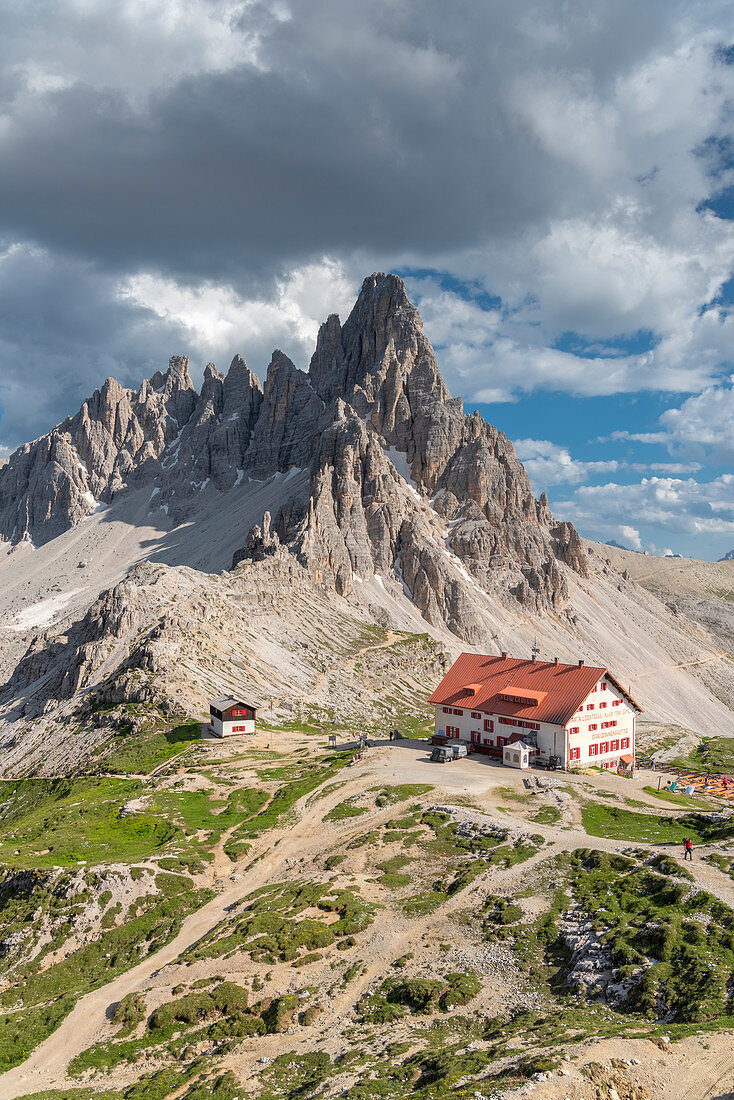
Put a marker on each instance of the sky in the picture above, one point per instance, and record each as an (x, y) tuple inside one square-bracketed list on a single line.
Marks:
[(554, 180)]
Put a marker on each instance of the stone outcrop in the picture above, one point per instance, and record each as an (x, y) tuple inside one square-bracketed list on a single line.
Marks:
[(402, 482)]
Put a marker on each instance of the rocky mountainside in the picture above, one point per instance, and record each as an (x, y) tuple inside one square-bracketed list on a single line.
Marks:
[(164, 546), (400, 480)]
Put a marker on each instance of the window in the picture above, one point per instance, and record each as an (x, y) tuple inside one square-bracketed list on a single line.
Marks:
[(575, 754), (593, 750), (625, 742), (446, 710), (589, 706), (475, 714), (592, 725), (574, 729), (239, 713), (602, 706), (616, 702), (603, 687), (459, 712), (487, 741), (604, 747), (238, 729), (518, 699), (615, 746), (452, 731), (488, 725)]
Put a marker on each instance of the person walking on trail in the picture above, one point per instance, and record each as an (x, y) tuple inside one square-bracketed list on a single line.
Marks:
[(687, 850)]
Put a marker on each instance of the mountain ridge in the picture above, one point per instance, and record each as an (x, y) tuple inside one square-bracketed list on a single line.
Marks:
[(359, 489), (373, 390)]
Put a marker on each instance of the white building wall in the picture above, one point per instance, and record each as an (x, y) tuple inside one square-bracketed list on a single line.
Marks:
[(593, 736), (550, 738), (557, 740), (226, 728)]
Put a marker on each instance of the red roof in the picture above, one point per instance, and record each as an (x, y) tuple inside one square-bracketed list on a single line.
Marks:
[(563, 687)]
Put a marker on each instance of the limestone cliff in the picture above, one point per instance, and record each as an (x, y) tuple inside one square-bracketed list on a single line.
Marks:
[(402, 483)]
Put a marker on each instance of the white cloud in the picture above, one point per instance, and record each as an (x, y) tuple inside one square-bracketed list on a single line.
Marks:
[(631, 536), (550, 464), (669, 504), (138, 46), (704, 424), (633, 437), (557, 157), (218, 321), (663, 467)]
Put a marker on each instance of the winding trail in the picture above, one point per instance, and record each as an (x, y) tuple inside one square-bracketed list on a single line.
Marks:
[(348, 664), (300, 843)]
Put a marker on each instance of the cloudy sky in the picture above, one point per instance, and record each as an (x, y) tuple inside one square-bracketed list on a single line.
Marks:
[(553, 179)]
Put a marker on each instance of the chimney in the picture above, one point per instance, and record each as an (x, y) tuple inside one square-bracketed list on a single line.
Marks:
[(581, 664), (504, 654), (555, 660)]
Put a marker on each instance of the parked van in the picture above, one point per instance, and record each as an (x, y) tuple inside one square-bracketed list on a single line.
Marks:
[(444, 754), (458, 749)]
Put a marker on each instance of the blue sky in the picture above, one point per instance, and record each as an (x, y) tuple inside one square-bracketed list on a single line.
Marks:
[(614, 462), (554, 181)]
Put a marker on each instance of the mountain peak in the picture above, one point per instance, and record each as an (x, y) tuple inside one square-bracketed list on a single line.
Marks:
[(400, 478)]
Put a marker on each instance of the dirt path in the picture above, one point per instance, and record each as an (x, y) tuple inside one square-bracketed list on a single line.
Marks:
[(297, 845), (683, 664), (347, 666), (87, 1023), (709, 1082)]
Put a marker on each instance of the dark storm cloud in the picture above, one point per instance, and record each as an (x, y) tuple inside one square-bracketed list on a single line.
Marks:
[(391, 127), (62, 332), (544, 149)]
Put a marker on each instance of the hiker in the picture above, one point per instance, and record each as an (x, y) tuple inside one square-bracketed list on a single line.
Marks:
[(652, 762), (687, 850)]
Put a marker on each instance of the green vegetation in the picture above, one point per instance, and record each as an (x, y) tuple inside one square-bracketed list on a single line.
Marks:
[(130, 1012), (547, 815), (500, 911), (37, 1001), (309, 777), (674, 948), (388, 796), (272, 927), (391, 869), (345, 810), (200, 811), (417, 996), (57, 822), (676, 799), (621, 824), (146, 749), (225, 1012), (714, 754)]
